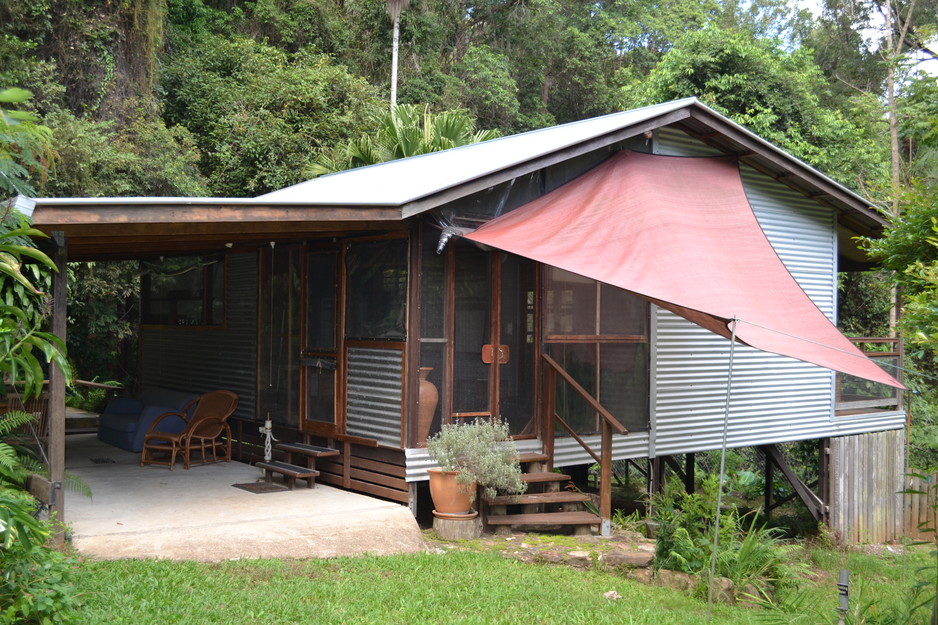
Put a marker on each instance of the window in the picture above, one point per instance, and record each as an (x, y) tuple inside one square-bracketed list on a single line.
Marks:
[(183, 291), (377, 290), (599, 335)]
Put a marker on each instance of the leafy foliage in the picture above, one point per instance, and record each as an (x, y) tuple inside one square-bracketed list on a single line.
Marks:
[(35, 586), (24, 347), (258, 113), (24, 144), (770, 91), (403, 131), (748, 554), (103, 319), (482, 451)]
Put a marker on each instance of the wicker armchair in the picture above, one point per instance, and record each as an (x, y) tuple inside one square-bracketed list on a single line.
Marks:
[(173, 433)]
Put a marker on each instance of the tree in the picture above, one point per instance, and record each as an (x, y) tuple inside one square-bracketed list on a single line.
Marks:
[(775, 93), (259, 114), (25, 145), (401, 132), (394, 10), (34, 584)]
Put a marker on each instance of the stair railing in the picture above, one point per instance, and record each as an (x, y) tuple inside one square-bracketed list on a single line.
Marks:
[(609, 423)]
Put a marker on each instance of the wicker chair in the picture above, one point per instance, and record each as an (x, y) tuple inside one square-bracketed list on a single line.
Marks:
[(175, 433)]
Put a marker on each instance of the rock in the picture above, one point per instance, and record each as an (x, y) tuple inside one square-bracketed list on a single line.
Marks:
[(748, 597), (640, 575), (552, 557), (580, 559), (627, 559), (675, 579), (723, 591)]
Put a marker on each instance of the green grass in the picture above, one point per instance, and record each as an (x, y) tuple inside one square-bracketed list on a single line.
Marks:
[(453, 588)]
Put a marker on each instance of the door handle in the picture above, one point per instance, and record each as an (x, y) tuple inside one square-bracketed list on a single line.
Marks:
[(491, 353)]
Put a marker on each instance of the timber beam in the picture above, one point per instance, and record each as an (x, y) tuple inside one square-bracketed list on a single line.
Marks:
[(812, 502)]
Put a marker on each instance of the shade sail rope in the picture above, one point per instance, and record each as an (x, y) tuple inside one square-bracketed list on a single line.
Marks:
[(812, 342), (726, 427)]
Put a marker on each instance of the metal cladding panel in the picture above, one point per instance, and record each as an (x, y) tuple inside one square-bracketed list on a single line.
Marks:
[(568, 452), (417, 459), (773, 398), (672, 142), (375, 394), (203, 360)]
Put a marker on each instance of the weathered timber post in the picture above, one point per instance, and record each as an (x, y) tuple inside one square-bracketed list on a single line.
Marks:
[(605, 481), (57, 384)]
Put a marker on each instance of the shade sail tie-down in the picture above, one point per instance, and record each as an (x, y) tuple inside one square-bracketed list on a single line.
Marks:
[(680, 233)]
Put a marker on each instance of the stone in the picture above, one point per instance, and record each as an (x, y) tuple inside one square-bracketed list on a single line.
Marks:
[(675, 579), (580, 559), (723, 591), (627, 559)]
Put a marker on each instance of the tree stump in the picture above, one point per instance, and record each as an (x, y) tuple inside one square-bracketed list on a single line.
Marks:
[(453, 528)]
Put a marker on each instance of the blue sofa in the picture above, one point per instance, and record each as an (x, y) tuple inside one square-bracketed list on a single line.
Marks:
[(125, 420)]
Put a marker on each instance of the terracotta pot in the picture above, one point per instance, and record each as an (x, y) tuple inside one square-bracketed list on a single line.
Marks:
[(449, 496), (427, 398)]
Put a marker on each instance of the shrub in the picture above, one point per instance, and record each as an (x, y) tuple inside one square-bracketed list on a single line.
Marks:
[(482, 452), (34, 579), (747, 554)]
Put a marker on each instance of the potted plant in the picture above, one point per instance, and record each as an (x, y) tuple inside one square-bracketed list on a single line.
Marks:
[(474, 454)]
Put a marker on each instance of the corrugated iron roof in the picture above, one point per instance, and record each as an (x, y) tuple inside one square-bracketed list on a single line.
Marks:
[(406, 180)]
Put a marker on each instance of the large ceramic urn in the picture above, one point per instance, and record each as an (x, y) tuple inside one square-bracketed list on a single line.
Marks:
[(427, 398)]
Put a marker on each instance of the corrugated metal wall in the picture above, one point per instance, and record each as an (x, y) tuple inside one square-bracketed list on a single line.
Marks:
[(774, 398), (375, 394), (202, 360)]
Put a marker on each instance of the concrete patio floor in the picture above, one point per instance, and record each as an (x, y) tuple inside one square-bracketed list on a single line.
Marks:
[(152, 512)]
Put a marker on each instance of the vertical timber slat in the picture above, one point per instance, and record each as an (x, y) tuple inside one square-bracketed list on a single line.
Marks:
[(865, 477)]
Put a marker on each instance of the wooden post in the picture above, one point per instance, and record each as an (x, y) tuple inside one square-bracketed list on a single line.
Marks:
[(656, 478), (549, 411), (57, 384), (605, 481), (690, 466), (823, 479), (768, 486)]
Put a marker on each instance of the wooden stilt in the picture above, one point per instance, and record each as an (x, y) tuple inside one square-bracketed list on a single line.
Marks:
[(57, 384)]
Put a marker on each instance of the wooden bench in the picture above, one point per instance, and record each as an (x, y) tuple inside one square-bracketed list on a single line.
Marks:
[(289, 471), (292, 471), (310, 451)]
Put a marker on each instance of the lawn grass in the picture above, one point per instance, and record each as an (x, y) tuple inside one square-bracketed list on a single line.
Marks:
[(452, 587)]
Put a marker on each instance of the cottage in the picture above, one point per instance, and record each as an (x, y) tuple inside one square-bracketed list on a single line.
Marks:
[(620, 253)]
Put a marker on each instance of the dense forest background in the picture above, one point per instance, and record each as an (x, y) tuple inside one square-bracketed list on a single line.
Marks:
[(240, 97)]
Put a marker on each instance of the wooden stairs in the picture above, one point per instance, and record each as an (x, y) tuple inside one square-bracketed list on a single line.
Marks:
[(545, 505)]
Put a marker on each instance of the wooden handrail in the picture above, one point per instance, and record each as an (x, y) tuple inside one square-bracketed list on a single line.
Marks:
[(578, 439), (582, 392), (609, 423)]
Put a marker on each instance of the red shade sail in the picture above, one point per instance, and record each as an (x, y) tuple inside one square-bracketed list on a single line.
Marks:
[(680, 233)]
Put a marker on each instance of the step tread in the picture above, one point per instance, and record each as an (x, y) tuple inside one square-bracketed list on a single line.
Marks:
[(545, 518), (533, 456), (309, 450), (544, 476), (287, 469), (562, 496)]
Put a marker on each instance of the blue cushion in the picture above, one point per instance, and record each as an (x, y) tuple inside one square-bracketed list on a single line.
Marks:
[(125, 420)]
